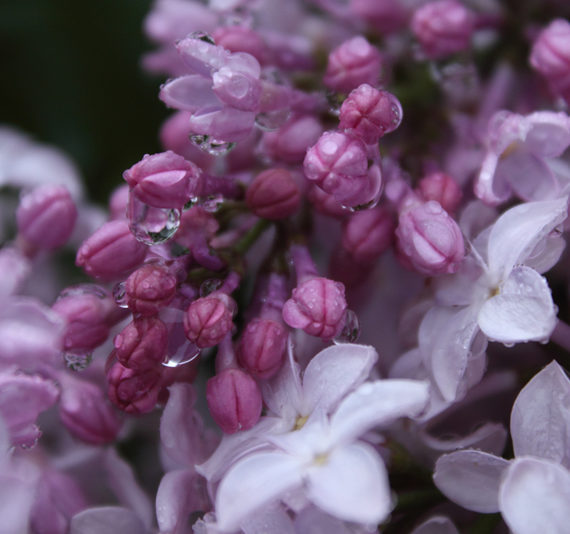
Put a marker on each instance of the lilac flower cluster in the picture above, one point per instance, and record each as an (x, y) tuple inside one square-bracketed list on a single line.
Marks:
[(390, 172)]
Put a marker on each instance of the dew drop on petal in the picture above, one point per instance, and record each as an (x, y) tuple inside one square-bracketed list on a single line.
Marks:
[(77, 361), (120, 295), (351, 329), (84, 289), (149, 225), (269, 121), (202, 36), (210, 145), (209, 286)]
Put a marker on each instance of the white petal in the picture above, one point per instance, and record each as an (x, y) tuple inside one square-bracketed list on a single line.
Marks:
[(253, 482), (518, 231), (471, 479), (106, 520), (272, 519), (377, 403), (351, 484), (522, 311), (335, 371), (549, 133), (540, 420), (436, 525), (535, 497)]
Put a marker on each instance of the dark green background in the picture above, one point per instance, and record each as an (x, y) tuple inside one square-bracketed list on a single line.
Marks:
[(71, 76)]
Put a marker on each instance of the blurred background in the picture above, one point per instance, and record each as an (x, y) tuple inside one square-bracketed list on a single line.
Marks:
[(71, 77)]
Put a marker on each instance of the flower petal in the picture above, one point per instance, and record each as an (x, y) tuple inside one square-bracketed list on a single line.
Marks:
[(352, 484), (471, 479), (189, 93), (534, 497), (522, 311), (225, 124), (106, 520), (540, 420)]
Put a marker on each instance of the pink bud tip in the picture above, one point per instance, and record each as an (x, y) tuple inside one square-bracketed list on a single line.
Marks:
[(369, 113), (134, 391), (317, 306), (354, 62), (150, 288), (142, 343), (111, 252), (443, 27), (442, 188), (164, 180), (273, 194), (429, 240), (234, 400), (209, 319), (261, 348), (46, 217)]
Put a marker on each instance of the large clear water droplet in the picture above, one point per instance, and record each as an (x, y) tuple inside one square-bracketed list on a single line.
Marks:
[(84, 289), (179, 351), (77, 361), (269, 121), (351, 329), (209, 286), (202, 36), (184, 353), (120, 295), (212, 203), (149, 225), (210, 145), (334, 101)]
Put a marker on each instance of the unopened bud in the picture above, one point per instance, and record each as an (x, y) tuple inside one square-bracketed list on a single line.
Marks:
[(150, 288), (442, 188), (273, 194), (142, 343), (134, 391), (209, 319)]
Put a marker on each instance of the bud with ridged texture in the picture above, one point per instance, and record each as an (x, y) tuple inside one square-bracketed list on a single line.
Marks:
[(352, 63), (111, 252), (209, 319), (550, 55), (46, 217), (234, 400), (134, 391), (273, 194), (429, 241), (85, 412), (289, 143), (369, 114), (142, 343), (150, 288), (164, 180), (442, 188), (443, 28)]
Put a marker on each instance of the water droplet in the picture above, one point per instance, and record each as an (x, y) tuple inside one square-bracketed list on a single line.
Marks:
[(362, 207), (202, 36), (185, 354), (194, 201), (212, 203), (210, 145), (272, 120), (209, 286), (149, 225), (509, 345), (77, 361), (120, 295), (334, 101), (351, 330), (84, 289), (179, 351)]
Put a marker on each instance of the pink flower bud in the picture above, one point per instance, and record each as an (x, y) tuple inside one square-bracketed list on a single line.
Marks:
[(317, 306), (261, 348), (289, 143), (85, 412), (164, 180), (241, 39), (367, 234), (338, 164), (134, 391), (442, 188), (326, 204), (273, 194), (111, 252), (150, 288), (369, 113), (429, 240), (443, 27), (142, 343), (119, 201), (46, 217), (550, 56), (209, 319), (353, 63), (86, 318), (234, 400)]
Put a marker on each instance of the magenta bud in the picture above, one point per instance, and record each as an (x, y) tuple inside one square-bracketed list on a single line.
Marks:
[(338, 164), (443, 27), (46, 217), (209, 319), (132, 390), (352, 63), (367, 234), (150, 288), (550, 55), (111, 252), (86, 317), (261, 348), (164, 180), (429, 240), (317, 306), (273, 194), (369, 113), (234, 400), (442, 188), (85, 412), (142, 343), (118, 202), (241, 39)]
